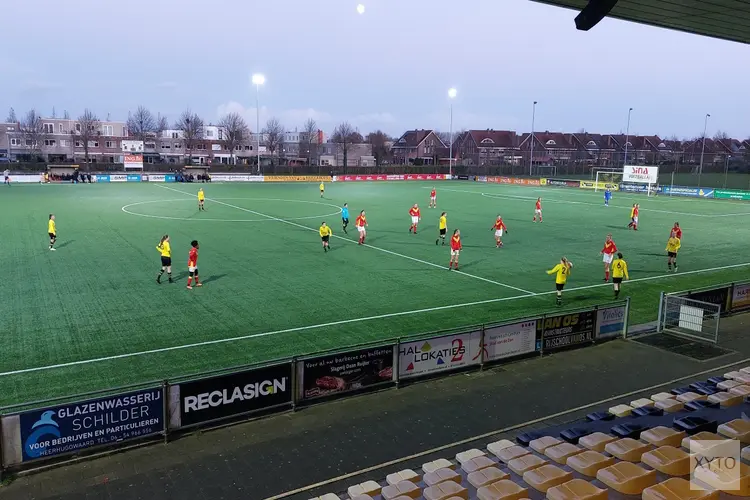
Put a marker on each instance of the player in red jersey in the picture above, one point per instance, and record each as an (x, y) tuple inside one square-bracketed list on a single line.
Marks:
[(634, 216), (499, 227), (677, 231), (416, 216), (433, 198), (455, 249), (193, 265), (538, 209), (361, 223), (608, 255)]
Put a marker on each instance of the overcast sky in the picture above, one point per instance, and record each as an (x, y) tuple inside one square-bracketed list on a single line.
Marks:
[(389, 68)]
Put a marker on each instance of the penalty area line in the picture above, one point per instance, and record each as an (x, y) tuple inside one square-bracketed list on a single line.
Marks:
[(344, 322), (414, 259)]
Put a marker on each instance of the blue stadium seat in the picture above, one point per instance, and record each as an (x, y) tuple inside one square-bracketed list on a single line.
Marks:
[(716, 380), (700, 405), (693, 425), (573, 434), (707, 390), (527, 437), (630, 430), (647, 411), (697, 386), (680, 390), (598, 416)]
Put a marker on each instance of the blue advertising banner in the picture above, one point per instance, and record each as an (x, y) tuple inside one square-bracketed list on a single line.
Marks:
[(134, 178), (688, 191), (102, 178), (170, 178), (65, 429), (634, 188)]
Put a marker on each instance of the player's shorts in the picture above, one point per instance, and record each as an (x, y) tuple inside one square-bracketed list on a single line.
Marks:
[(200, 200), (671, 254), (538, 211), (415, 220), (443, 231), (607, 258), (433, 198), (617, 280), (559, 286), (52, 236), (635, 220), (499, 233), (454, 253), (193, 270), (166, 261), (325, 238), (361, 229), (7, 178), (345, 220)]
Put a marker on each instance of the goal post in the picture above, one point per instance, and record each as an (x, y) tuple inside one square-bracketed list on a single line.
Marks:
[(689, 318), (606, 177)]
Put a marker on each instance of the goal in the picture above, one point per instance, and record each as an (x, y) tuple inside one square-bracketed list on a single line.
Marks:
[(607, 177)]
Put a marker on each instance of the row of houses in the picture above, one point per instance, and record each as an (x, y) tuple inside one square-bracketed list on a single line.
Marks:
[(61, 141), (497, 147)]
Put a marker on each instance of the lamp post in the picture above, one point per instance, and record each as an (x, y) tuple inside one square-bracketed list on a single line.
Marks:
[(531, 150), (451, 95), (258, 80), (703, 147), (627, 138)]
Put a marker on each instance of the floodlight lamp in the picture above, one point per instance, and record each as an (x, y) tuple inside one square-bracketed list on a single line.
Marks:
[(258, 79), (452, 93)]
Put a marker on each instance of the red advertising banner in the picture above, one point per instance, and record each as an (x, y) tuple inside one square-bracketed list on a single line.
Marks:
[(383, 177), (424, 177), (514, 180), (380, 177)]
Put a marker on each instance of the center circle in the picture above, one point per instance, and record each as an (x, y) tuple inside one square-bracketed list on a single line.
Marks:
[(270, 217)]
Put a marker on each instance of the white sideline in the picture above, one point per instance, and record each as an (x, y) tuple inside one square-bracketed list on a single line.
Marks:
[(347, 321), (270, 217)]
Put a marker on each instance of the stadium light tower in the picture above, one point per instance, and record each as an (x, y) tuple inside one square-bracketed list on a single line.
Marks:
[(703, 148), (627, 138), (451, 95), (531, 150), (258, 80)]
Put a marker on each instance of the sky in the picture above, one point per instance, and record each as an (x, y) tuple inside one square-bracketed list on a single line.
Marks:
[(389, 68)]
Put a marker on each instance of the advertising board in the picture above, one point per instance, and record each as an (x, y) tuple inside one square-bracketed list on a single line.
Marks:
[(426, 357), (718, 296), (236, 393), (344, 372), (610, 322), (295, 178), (640, 174), (740, 297), (101, 178), (133, 162), (425, 177), (634, 188), (507, 341), (118, 178), (131, 147), (236, 178), (26, 178), (133, 178), (687, 191), (612, 186), (73, 427), (514, 180), (566, 330), (731, 194), (482, 178), (351, 178), (561, 183)]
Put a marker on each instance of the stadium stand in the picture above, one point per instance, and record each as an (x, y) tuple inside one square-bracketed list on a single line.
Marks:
[(637, 450)]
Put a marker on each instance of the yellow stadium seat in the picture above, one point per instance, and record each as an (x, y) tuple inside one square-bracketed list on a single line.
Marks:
[(508, 454), (546, 476), (669, 405), (642, 403), (402, 489), (668, 460), (445, 491), (687, 397), (627, 449), (663, 436), (596, 441), (741, 390), (717, 476), (560, 453), (498, 446), (486, 477), (478, 463), (661, 396), (725, 399), (621, 410), (678, 489), (404, 475), (370, 488), (541, 444), (327, 496), (577, 489), (441, 476), (438, 464), (627, 478), (467, 455), (590, 462), (738, 429), (525, 463), (727, 384), (700, 441), (502, 490)]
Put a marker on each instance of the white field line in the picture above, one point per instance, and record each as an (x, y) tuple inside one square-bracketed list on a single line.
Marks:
[(572, 202), (432, 264), (350, 321)]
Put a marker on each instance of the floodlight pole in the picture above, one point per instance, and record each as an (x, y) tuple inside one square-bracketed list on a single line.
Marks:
[(627, 139), (450, 146), (531, 150), (703, 147)]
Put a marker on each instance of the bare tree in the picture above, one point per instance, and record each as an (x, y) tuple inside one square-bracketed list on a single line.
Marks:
[(141, 124), (445, 137), (161, 124), (274, 133), (378, 140), (11, 116), (87, 131), (191, 126), (33, 133), (345, 136), (720, 135), (309, 144), (234, 132)]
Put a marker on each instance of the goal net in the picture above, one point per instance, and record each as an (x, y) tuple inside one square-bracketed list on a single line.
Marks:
[(607, 178)]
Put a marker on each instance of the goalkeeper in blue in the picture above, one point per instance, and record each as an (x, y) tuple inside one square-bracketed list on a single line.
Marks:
[(607, 197)]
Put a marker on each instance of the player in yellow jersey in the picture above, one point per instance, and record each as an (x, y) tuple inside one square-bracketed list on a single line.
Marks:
[(673, 246), (325, 235), (562, 271), (322, 189), (52, 231), (619, 271), (201, 200), (165, 250), (443, 226)]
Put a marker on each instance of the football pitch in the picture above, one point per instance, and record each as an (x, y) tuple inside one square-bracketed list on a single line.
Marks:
[(90, 316)]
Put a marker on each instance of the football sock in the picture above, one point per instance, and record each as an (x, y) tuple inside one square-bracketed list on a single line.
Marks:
[(190, 280), (617, 293), (606, 275), (170, 277)]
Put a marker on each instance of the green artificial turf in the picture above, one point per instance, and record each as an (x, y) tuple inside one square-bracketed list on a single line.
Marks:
[(270, 281)]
